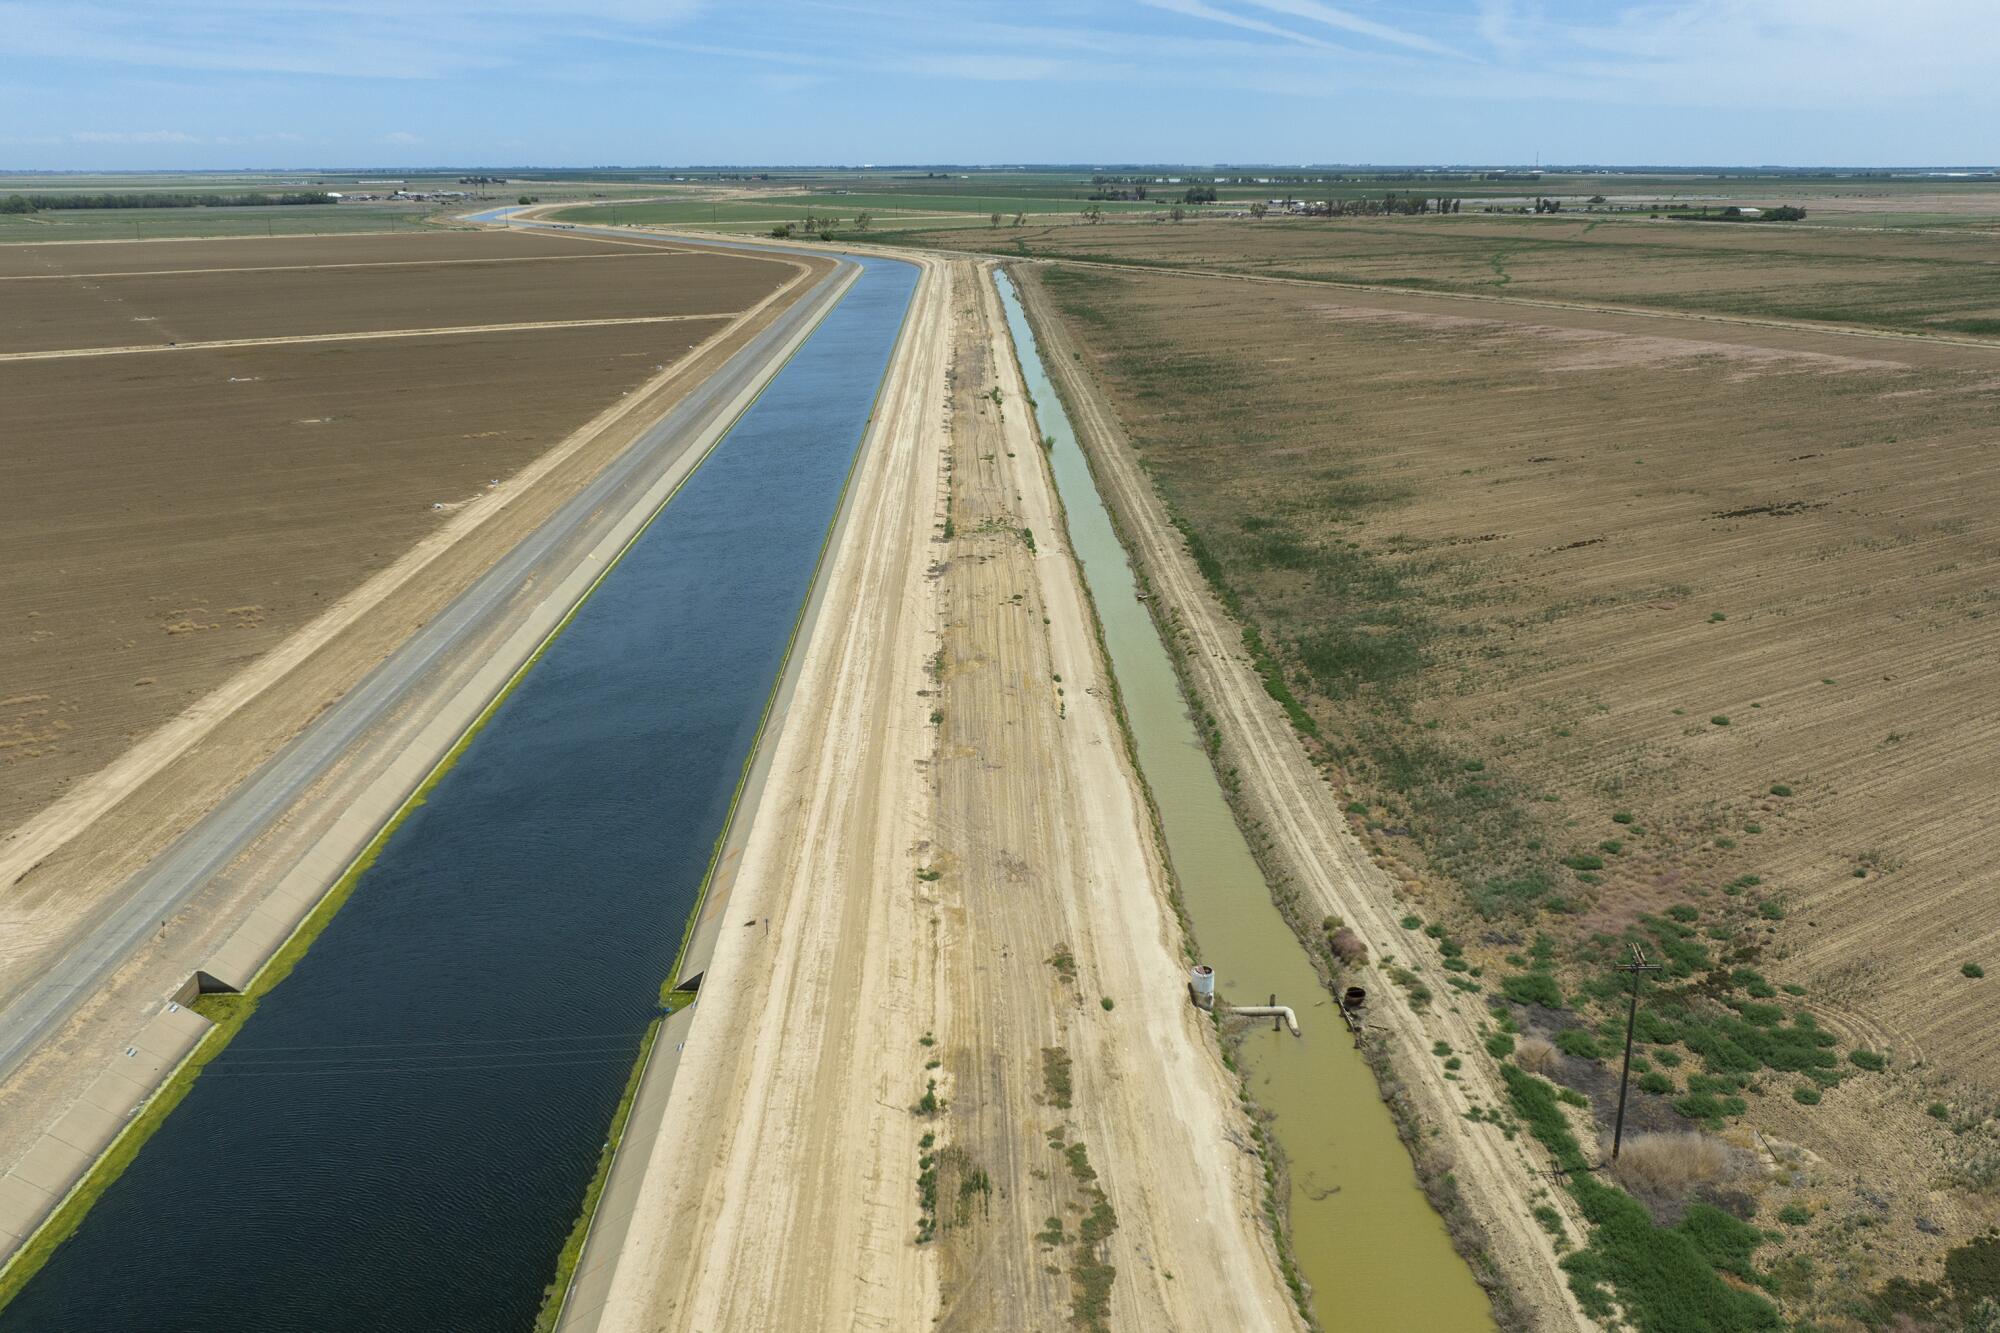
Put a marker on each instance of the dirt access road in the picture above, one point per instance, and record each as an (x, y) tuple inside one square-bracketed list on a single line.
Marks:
[(1306, 838), (950, 808)]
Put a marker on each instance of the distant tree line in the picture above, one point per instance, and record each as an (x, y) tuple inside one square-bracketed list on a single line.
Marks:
[(1369, 206), (1782, 213), (32, 203)]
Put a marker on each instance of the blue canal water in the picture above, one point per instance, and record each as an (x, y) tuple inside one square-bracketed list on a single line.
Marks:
[(400, 1138)]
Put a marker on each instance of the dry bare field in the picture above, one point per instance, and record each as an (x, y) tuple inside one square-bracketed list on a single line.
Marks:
[(592, 282), (170, 517), (1917, 281), (1619, 629)]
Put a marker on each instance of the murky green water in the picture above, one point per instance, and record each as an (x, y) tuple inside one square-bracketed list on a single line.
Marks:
[(1365, 1237)]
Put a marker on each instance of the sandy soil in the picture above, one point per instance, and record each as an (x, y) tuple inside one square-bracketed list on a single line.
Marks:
[(1649, 567), (912, 867), (112, 822)]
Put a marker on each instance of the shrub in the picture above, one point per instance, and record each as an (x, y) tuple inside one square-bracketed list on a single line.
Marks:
[(1771, 910), (1973, 970), (1709, 1108), (1673, 1164), (1056, 1076), (1412, 921), (1806, 1095), (1579, 1042), (1499, 1046), (1656, 1083), (1347, 946), (1535, 1054), (1622, 817), (1780, 789), (1937, 1111), (1533, 988), (1683, 912), (1792, 1215), (1583, 861), (1720, 720), (1866, 1059)]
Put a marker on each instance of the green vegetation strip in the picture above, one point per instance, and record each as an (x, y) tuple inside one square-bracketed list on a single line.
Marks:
[(1668, 1279), (229, 1012)]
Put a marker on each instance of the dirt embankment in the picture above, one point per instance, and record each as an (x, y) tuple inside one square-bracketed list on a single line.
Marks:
[(944, 1071)]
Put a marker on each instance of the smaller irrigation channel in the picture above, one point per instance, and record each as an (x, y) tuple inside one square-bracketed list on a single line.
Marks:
[(1377, 1255), (402, 1134)]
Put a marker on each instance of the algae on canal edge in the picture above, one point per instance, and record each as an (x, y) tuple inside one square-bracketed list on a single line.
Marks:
[(1362, 1232)]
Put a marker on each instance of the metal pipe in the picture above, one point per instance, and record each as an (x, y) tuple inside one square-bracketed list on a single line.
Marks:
[(1270, 1011)]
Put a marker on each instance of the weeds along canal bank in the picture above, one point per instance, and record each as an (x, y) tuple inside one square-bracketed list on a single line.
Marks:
[(233, 1011), (1343, 1202)]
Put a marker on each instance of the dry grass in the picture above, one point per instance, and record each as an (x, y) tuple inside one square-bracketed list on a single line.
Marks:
[(1537, 1055), (1673, 1165), (1933, 281)]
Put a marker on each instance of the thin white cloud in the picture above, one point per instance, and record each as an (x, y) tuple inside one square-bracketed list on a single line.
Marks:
[(133, 136), (1346, 22), (1197, 9)]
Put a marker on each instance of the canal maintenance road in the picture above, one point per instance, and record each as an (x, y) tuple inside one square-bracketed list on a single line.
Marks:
[(951, 874)]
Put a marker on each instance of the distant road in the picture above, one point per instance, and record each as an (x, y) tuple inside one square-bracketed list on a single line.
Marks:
[(134, 912)]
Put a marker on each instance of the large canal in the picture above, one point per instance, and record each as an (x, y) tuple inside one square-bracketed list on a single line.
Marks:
[(1366, 1238), (400, 1137)]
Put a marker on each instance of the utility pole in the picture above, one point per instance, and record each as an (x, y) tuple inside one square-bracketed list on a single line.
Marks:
[(1638, 967)]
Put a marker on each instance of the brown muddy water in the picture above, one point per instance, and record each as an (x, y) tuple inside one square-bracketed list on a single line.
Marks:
[(1363, 1234)]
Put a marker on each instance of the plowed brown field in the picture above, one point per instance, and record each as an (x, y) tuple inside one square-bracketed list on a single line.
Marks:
[(168, 518), (142, 309), (1733, 584)]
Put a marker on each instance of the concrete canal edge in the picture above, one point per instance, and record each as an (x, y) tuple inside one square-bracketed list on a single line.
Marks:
[(272, 939), (589, 1259)]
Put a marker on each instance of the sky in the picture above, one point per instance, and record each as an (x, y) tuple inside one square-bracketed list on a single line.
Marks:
[(170, 84)]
